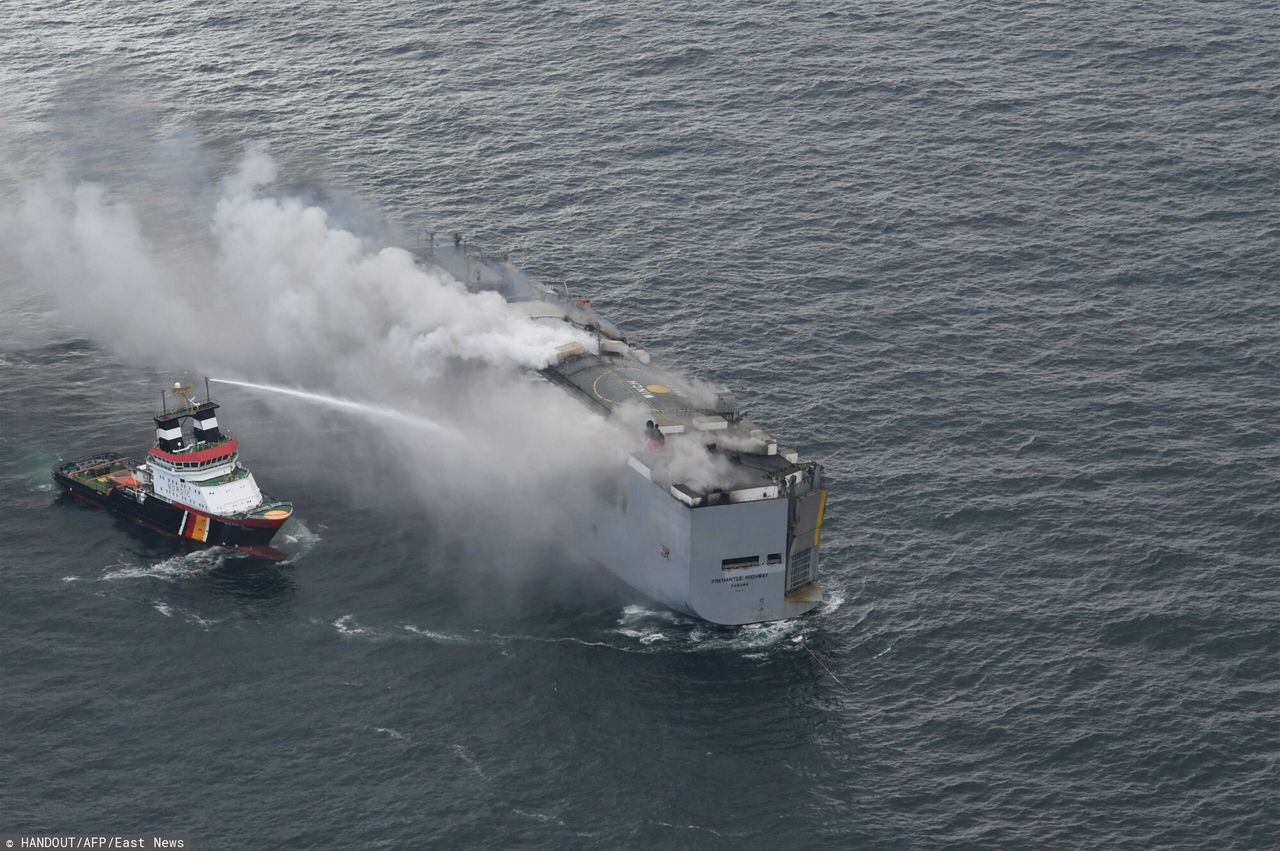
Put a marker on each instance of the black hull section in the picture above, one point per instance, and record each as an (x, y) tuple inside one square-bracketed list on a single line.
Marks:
[(170, 519)]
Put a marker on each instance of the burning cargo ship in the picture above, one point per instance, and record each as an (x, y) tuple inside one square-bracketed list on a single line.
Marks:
[(742, 549)]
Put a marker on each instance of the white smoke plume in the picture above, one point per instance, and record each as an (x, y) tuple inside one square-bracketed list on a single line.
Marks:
[(271, 290), (276, 290), (685, 460)]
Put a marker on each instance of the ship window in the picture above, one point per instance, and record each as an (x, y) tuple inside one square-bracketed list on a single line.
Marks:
[(735, 563), (775, 558)]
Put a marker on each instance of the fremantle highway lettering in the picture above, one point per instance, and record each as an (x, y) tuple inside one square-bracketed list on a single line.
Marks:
[(741, 581)]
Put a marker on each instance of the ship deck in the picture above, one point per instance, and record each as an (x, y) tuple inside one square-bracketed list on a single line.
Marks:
[(271, 509), (621, 376), (102, 473), (609, 382)]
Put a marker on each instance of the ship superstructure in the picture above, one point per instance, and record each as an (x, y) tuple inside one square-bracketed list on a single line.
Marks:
[(192, 484), (712, 517)]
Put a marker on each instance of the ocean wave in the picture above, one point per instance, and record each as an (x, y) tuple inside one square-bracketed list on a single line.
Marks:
[(169, 610), (832, 601), (395, 735), (442, 637), (463, 753), (545, 818), (345, 625), (662, 630), (171, 569)]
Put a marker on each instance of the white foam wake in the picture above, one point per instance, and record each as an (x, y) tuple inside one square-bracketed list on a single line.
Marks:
[(171, 569)]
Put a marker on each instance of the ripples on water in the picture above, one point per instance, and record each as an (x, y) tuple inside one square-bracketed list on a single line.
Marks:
[(1011, 271)]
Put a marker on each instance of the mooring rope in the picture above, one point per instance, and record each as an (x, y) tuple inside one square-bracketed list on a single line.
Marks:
[(818, 659)]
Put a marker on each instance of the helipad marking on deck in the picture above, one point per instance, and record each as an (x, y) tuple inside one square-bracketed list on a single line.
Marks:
[(640, 390), (658, 388)]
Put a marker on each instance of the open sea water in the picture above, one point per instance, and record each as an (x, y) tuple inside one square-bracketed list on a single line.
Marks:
[(1010, 270)]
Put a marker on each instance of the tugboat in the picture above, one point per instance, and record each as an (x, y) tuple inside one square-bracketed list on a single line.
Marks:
[(192, 484)]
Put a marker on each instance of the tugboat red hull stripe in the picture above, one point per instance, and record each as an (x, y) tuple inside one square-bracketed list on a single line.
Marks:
[(227, 448)]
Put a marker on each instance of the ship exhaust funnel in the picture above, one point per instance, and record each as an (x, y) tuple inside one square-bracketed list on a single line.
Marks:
[(204, 424), (169, 433)]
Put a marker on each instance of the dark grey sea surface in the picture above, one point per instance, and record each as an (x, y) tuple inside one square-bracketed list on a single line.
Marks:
[(1010, 270)]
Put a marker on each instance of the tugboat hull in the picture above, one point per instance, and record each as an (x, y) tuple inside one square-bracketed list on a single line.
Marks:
[(175, 519)]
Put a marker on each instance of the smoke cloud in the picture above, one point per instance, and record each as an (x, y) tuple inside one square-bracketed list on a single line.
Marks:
[(271, 290), (275, 289)]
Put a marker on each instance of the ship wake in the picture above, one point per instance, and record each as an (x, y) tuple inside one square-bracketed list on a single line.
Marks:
[(172, 569), (637, 630)]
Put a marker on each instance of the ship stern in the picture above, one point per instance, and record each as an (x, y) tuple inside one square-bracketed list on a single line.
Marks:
[(756, 560)]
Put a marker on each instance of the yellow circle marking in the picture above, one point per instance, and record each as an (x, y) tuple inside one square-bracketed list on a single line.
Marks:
[(658, 388), (276, 514)]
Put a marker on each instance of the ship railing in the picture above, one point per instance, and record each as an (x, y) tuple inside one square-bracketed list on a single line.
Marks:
[(185, 410), (96, 462), (235, 475), (270, 502)]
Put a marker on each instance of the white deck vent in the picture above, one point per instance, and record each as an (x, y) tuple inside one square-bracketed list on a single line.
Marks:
[(767, 443), (613, 347), (710, 423), (569, 350)]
